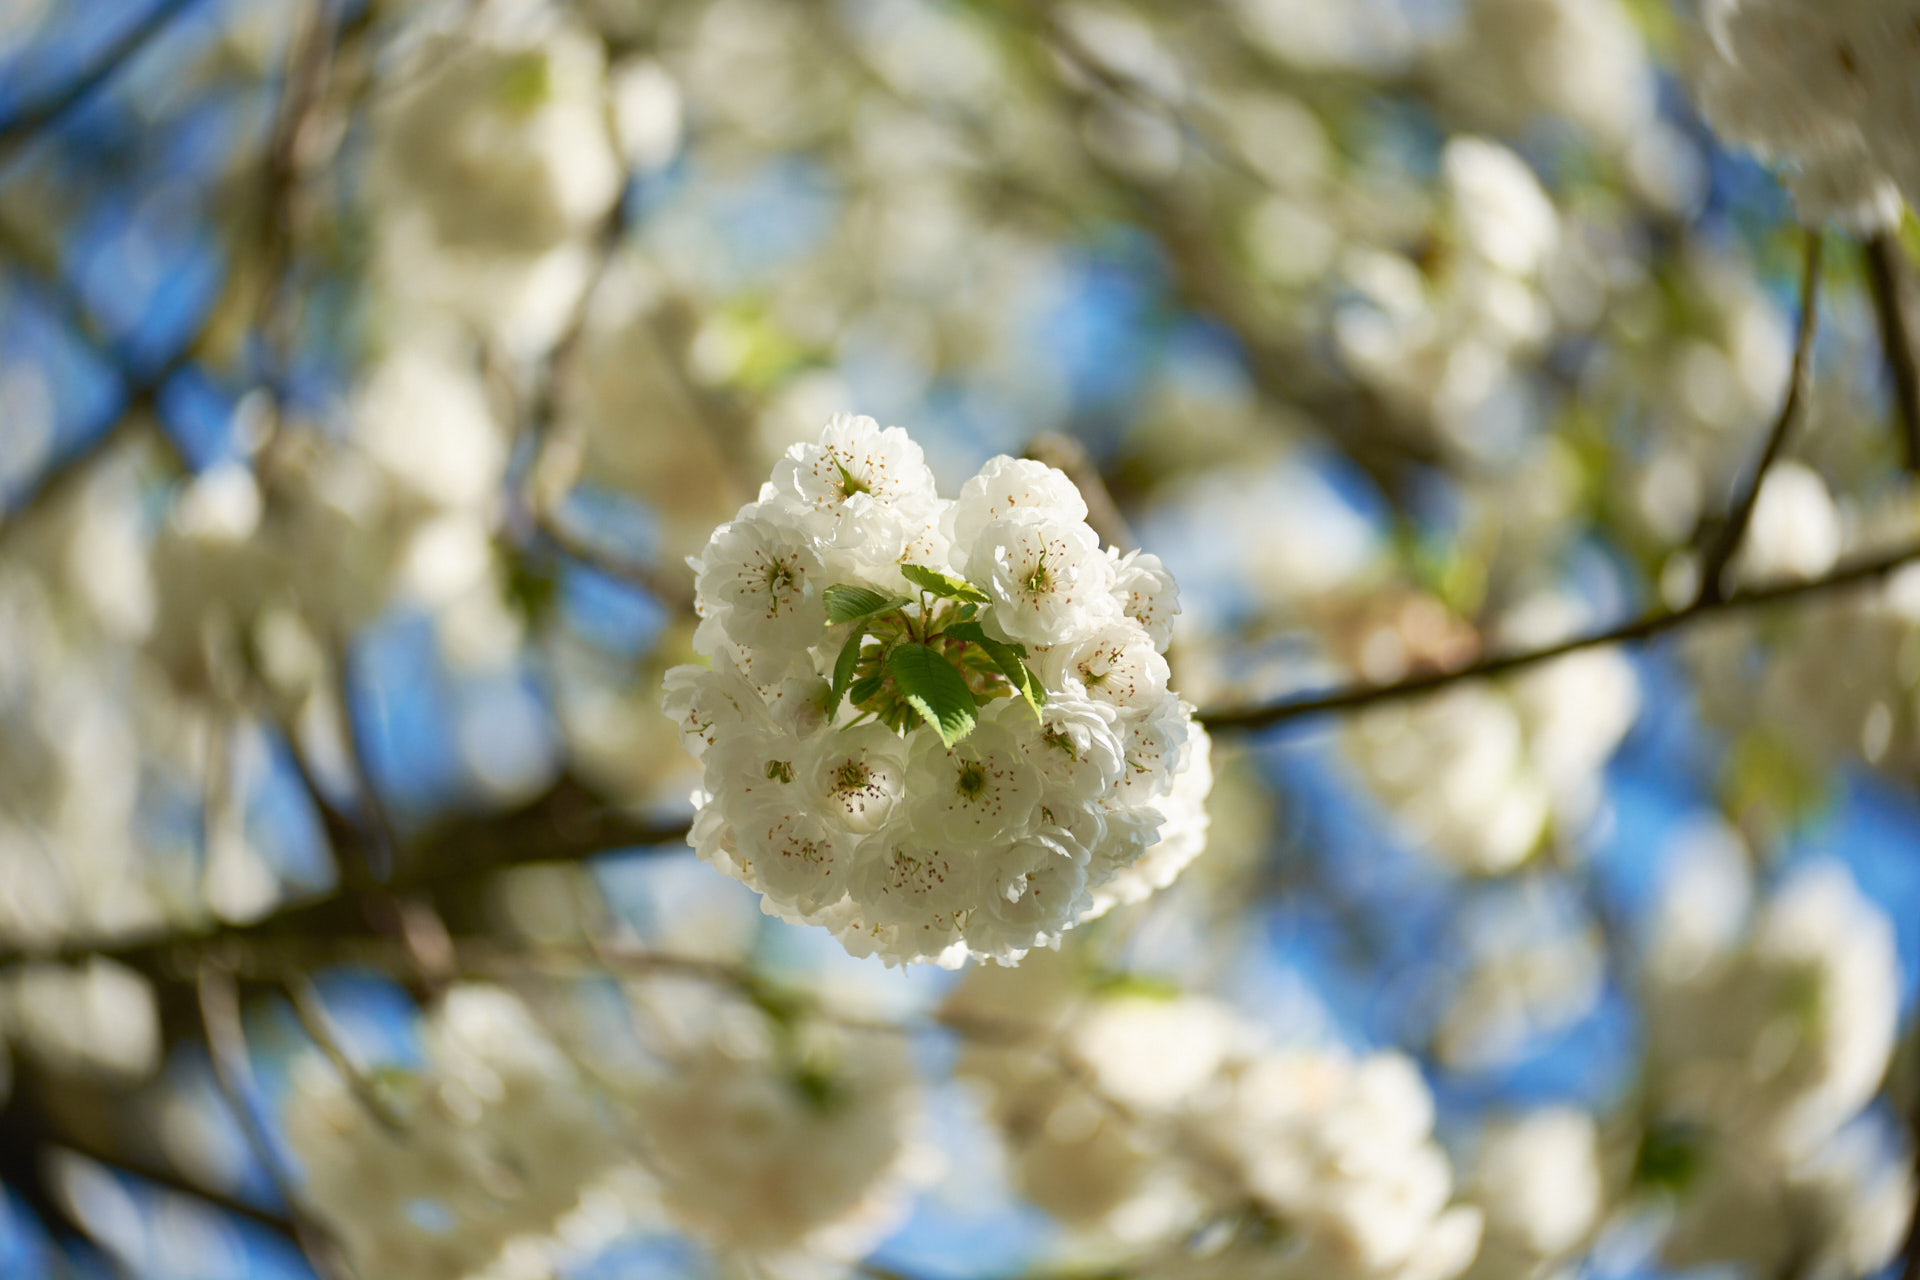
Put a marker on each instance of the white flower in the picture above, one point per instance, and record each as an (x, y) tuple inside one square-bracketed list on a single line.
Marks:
[(1078, 751), (980, 791), (1016, 489), (1034, 888), (1117, 664), (856, 463), (856, 776), (766, 578), (1147, 593), (1048, 580)]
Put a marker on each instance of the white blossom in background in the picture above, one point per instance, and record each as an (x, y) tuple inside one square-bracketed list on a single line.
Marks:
[(1761, 1058), (495, 1141), (1146, 1117), (492, 161), (1822, 90), (1511, 60), (937, 728), (1440, 338), (1538, 1180), (786, 1156), (1476, 774)]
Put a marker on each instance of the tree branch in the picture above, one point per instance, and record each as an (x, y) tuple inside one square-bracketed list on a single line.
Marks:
[(1858, 571), (1886, 280), (219, 999), (16, 133), (1727, 544)]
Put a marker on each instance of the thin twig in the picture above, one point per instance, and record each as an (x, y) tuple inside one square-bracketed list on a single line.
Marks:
[(311, 1010), (219, 1001), (1887, 281), (16, 133), (1855, 572), (1727, 544)]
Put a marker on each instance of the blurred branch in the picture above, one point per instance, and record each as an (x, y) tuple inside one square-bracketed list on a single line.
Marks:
[(16, 133), (1727, 543), (1887, 280), (568, 823), (311, 1010), (1856, 572), (219, 999)]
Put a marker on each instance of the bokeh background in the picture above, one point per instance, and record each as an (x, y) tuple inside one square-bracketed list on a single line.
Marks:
[(367, 370)]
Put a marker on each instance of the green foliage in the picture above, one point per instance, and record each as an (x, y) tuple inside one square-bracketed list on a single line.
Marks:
[(1009, 658), (850, 604), (944, 585), (934, 688), (843, 668)]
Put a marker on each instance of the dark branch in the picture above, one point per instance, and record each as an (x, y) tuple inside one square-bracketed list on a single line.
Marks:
[(16, 133), (566, 824), (1727, 544), (1852, 573), (1886, 279)]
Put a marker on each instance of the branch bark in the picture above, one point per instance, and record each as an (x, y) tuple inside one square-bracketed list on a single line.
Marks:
[(1727, 544), (1887, 281), (1859, 571)]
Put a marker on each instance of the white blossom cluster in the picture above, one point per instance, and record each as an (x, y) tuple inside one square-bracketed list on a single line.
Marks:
[(483, 1152), (937, 728), (1440, 338), (1822, 89), (1138, 1118), (1762, 1054)]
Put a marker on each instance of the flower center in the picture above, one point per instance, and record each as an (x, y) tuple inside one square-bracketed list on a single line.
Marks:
[(851, 776), (972, 780), (779, 771)]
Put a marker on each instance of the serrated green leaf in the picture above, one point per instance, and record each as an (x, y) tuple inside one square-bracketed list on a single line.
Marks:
[(864, 688), (1007, 657), (843, 668), (850, 604), (944, 585), (933, 687)]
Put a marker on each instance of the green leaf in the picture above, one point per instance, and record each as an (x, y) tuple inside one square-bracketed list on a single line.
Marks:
[(864, 688), (944, 585), (933, 687), (843, 668), (850, 604), (1007, 657)]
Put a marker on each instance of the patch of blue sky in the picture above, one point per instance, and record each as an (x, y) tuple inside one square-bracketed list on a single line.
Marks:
[(398, 694), (200, 419), (281, 820), (969, 1224), (155, 1234), (613, 614), (60, 395), (25, 1250), (147, 270), (1873, 830), (737, 228)]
